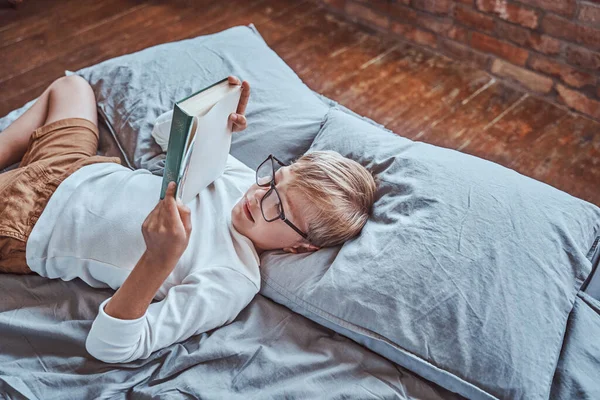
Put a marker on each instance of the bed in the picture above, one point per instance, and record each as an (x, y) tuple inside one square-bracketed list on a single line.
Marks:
[(470, 286)]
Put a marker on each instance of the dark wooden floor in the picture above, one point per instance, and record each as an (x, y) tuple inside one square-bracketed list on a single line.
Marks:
[(420, 95)]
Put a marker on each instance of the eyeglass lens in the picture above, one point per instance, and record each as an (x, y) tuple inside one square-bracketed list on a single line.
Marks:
[(265, 172), (271, 203)]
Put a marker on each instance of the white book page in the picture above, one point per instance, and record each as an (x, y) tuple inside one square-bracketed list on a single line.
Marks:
[(210, 148)]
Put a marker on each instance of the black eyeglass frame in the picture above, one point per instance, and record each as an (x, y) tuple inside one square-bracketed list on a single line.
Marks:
[(271, 184)]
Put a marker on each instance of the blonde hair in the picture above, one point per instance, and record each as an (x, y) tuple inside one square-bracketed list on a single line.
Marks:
[(340, 191)]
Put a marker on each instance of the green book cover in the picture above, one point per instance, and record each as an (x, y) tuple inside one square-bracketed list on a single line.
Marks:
[(180, 129), (181, 126)]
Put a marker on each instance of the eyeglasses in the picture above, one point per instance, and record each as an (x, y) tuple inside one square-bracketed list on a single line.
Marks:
[(271, 206)]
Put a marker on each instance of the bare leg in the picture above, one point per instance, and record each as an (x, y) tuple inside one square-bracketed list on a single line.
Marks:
[(67, 97)]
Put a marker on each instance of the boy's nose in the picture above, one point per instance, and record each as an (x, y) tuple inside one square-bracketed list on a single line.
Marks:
[(259, 193)]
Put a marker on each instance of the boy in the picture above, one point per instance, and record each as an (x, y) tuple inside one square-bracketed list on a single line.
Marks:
[(68, 213)]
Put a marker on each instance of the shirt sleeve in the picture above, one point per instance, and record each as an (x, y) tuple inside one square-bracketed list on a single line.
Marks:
[(204, 300)]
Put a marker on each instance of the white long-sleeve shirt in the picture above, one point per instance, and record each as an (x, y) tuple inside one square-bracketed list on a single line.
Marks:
[(91, 229)]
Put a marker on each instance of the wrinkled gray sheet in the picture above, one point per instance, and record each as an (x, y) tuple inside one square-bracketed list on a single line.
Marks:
[(267, 352), (578, 371)]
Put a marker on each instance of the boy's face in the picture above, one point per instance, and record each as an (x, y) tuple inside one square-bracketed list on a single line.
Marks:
[(276, 234)]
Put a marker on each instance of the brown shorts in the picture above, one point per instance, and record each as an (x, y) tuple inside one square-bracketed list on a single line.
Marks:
[(54, 152)]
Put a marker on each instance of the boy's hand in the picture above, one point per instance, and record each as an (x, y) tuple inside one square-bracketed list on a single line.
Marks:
[(167, 230), (238, 118)]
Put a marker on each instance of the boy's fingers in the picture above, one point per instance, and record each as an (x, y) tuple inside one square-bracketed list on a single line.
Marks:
[(169, 195), (170, 189), (173, 215), (244, 98), (170, 204), (239, 120), (170, 200), (158, 212), (233, 80), (186, 217)]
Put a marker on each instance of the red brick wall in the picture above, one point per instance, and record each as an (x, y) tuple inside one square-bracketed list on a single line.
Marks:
[(548, 47)]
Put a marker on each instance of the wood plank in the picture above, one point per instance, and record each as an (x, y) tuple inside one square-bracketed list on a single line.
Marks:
[(460, 127), (54, 21), (430, 95), (243, 13), (54, 43), (307, 34), (347, 63), (415, 89), (407, 88), (565, 155), (153, 24), (363, 89), (88, 49), (280, 26), (332, 35), (30, 12), (343, 56), (513, 133), (147, 23)]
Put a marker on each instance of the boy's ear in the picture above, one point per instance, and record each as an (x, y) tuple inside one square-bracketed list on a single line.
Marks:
[(301, 248)]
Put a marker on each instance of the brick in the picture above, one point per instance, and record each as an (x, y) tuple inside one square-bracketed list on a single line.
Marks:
[(459, 34), (474, 19), (579, 101), (437, 25), (464, 53), (505, 50), (427, 21), (589, 13), (528, 79), (337, 4), (584, 58), (424, 20), (569, 75), (382, 6), (414, 34), (511, 12), (526, 38), (543, 43), (366, 14), (563, 7), (468, 2), (402, 13), (433, 6), (561, 28)]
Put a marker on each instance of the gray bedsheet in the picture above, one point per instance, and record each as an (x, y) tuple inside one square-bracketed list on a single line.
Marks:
[(576, 375), (267, 352)]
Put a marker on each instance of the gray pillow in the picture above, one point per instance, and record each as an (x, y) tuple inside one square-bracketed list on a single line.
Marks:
[(466, 272), (133, 90)]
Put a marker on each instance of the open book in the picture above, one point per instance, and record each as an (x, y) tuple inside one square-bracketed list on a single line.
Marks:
[(199, 139)]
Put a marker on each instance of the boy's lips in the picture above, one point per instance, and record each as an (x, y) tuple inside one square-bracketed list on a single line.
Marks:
[(246, 207)]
